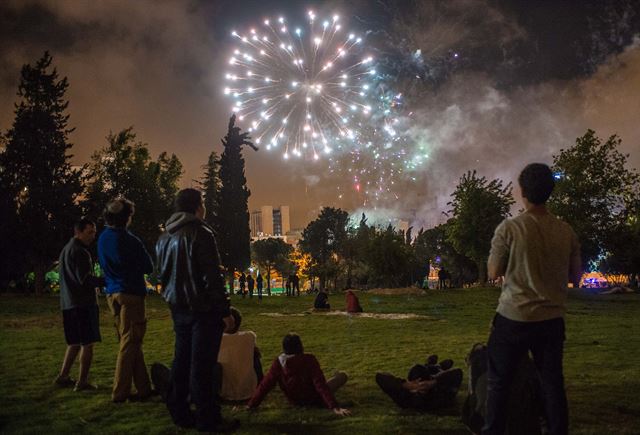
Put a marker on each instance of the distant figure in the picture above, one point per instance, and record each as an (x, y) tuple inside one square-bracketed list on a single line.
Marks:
[(428, 386), (80, 311), (288, 285), (250, 284), (125, 261), (537, 254), (300, 378), (259, 285), (322, 301), (242, 281), (353, 304), (296, 283), (442, 278)]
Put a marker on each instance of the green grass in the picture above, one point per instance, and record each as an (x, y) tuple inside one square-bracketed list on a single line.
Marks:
[(602, 358)]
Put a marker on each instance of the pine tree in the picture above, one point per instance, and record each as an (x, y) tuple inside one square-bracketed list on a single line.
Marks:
[(211, 185), (36, 171), (234, 236)]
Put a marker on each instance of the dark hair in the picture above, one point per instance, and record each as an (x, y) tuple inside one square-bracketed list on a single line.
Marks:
[(188, 200), (83, 223), (117, 212), (237, 317), (291, 344), (536, 182)]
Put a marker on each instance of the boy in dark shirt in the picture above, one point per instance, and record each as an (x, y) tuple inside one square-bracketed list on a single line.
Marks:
[(79, 304)]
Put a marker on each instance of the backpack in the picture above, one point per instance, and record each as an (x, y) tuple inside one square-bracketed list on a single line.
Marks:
[(524, 412)]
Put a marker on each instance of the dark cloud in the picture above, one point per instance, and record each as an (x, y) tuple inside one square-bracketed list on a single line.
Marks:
[(528, 79)]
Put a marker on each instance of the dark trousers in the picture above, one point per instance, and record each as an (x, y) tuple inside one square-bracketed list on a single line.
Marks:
[(198, 337), (508, 344), (443, 394)]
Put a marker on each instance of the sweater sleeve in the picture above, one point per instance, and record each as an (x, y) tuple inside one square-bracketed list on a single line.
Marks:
[(320, 384), (267, 384)]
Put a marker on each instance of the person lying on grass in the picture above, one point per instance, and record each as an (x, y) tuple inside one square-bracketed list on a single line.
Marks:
[(428, 386), (300, 378)]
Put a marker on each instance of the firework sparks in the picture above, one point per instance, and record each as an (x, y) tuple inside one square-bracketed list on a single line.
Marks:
[(302, 89)]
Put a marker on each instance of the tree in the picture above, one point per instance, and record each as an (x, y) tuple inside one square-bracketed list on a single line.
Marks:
[(211, 185), (125, 168), (477, 207), (234, 236), (39, 185), (323, 239), (389, 257), (271, 253), (594, 193)]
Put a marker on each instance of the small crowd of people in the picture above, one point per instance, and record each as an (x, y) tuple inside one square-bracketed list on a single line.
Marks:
[(247, 283), (535, 253)]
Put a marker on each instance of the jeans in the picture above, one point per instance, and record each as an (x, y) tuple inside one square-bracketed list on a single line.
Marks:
[(198, 337), (508, 344)]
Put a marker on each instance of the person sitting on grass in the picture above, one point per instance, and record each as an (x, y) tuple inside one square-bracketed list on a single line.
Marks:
[(428, 386), (239, 370), (353, 304), (322, 301), (300, 378)]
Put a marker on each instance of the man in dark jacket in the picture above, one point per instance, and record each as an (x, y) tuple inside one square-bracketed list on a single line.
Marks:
[(125, 261), (80, 313), (189, 271)]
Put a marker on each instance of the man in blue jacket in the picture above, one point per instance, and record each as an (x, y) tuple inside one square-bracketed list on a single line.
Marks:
[(189, 270), (125, 261)]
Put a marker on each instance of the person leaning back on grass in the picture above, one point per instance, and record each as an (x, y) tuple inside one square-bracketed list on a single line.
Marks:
[(537, 254), (125, 261), (80, 313), (300, 378)]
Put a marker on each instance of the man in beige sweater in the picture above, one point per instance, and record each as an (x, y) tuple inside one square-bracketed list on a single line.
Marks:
[(537, 255)]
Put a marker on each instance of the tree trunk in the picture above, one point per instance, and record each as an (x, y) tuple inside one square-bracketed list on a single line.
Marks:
[(269, 280), (40, 271), (482, 271)]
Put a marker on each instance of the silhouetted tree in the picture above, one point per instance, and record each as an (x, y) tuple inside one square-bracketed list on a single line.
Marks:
[(39, 185), (211, 185), (269, 254), (478, 206), (595, 193), (125, 168), (234, 235)]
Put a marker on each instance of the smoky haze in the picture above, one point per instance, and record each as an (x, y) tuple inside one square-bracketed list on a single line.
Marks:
[(505, 101)]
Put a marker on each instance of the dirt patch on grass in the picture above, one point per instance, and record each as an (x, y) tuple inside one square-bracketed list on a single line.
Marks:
[(397, 291), (385, 316)]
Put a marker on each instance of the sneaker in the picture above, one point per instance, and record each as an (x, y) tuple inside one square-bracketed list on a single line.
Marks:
[(432, 360), (446, 364), (85, 387), (65, 381)]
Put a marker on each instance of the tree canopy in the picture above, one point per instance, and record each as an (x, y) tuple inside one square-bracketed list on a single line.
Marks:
[(271, 253), (477, 207), (39, 185)]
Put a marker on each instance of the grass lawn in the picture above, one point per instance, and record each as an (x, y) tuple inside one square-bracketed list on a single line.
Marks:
[(602, 363)]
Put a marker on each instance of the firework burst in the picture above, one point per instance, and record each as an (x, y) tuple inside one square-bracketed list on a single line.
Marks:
[(301, 90)]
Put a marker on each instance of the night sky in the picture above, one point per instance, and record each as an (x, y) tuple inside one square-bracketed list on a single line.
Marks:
[(487, 85)]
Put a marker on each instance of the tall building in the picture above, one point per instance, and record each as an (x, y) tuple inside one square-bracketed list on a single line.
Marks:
[(270, 221)]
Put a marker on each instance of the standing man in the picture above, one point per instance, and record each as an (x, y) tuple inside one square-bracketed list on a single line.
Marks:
[(242, 281), (250, 283), (125, 261), (537, 254), (193, 285), (259, 285), (296, 283), (80, 312)]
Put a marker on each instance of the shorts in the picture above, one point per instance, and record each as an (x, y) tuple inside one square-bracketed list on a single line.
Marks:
[(81, 325)]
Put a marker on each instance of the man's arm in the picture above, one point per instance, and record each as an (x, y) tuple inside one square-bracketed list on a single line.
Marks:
[(499, 254), (208, 261), (83, 271)]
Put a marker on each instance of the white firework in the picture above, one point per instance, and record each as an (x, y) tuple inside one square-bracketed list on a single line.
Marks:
[(299, 89)]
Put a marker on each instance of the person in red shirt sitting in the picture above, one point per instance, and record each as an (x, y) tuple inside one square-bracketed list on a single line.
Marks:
[(300, 378), (353, 304)]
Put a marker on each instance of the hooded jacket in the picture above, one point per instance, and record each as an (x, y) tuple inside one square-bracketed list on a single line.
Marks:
[(188, 265)]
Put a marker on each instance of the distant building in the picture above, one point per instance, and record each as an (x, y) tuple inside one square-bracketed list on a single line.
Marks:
[(270, 221)]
